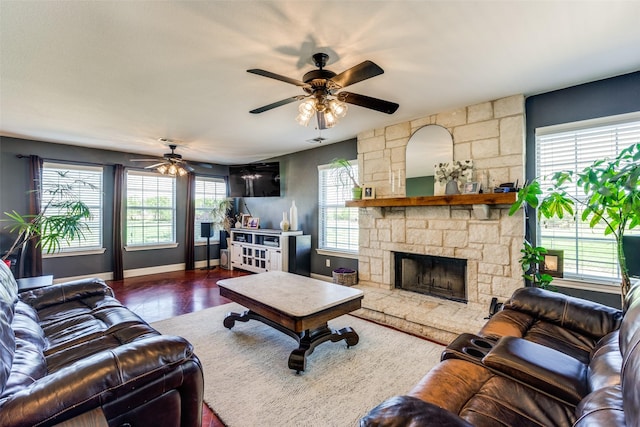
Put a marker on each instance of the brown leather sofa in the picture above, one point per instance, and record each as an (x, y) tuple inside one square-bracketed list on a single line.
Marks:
[(546, 359), (71, 354)]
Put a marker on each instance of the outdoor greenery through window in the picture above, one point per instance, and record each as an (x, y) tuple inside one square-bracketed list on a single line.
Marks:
[(150, 209), (85, 184), (588, 254), (338, 225), (208, 190)]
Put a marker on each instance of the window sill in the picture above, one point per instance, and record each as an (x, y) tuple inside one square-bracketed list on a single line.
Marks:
[(336, 253), (98, 251), (150, 247), (604, 287)]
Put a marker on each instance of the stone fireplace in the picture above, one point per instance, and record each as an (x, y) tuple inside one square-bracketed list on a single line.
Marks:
[(436, 276), (492, 135)]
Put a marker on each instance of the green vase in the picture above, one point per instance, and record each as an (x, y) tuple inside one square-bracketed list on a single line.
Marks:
[(356, 193)]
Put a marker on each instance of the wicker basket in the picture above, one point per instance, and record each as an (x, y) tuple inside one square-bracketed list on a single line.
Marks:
[(345, 276)]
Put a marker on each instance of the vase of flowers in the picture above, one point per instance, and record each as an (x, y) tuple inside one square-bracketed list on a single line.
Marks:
[(450, 175)]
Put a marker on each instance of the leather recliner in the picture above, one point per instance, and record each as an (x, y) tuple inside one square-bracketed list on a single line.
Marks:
[(546, 359), (71, 353)]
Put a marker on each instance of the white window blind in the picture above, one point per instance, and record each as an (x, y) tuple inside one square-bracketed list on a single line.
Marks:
[(84, 184), (151, 209), (338, 224), (208, 191), (588, 254)]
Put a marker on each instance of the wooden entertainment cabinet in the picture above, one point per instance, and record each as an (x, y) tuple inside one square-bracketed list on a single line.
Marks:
[(263, 250)]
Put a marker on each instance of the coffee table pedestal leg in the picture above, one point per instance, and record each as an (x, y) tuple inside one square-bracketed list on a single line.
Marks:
[(308, 340)]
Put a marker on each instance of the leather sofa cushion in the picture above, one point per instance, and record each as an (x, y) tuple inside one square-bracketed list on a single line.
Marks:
[(483, 398), (585, 317), (7, 342), (606, 362), (8, 285), (408, 411), (63, 292), (602, 407)]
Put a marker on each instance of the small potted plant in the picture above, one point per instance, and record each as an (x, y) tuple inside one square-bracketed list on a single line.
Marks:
[(345, 172)]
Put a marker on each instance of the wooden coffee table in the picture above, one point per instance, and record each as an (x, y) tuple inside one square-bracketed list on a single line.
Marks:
[(296, 305)]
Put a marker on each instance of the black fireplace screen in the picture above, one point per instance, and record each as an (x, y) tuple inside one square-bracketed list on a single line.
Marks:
[(431, 275)]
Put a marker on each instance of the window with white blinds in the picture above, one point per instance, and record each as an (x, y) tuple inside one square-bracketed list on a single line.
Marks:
[(338, 224), (588, 254), (208, 191), (150, 209), (84, 183)]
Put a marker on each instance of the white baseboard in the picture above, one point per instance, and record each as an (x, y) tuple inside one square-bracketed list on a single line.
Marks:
[(138, 271)]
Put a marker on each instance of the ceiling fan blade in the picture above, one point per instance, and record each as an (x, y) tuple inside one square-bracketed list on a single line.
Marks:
[(360, 72), (187, 167), (155, 166), (271, 75), (368, 102), (203, 165), (277, 104)]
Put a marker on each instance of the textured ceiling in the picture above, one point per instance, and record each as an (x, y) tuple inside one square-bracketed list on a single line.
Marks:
[(120, 75)]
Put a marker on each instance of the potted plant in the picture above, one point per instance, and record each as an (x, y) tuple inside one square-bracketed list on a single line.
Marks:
[(345, 172), (611, 198), (62, 218), (532, 258)]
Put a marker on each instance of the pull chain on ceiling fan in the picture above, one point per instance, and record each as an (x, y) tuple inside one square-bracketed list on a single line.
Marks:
[(323, 99)]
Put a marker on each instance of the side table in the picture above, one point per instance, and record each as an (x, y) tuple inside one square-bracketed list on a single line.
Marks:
[(29, 283)]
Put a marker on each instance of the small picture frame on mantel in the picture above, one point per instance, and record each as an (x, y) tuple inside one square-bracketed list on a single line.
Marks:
[(368, 192), (471, 187)]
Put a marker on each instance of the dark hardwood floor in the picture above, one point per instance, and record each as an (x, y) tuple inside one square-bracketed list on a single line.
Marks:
[(160, 296)]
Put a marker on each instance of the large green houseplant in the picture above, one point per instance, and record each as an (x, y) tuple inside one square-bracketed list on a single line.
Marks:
[(61, 218), (610, 198)]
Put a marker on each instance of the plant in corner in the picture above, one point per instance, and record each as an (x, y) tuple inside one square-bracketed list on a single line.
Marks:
[(61, 218), (610, 198), (532, 257), (345, 173), (220, 214)]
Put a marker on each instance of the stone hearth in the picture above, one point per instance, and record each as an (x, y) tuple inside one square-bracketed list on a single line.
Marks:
[(490, 133)]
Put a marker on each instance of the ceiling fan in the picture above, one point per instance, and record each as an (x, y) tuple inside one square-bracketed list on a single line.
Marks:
[(170, 163), (323, 96)]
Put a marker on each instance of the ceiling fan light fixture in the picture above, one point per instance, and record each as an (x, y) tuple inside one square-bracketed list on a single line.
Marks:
[(182, 172), (162, 169), (338, 108), (303, 119), (172, 169), (330, 120)]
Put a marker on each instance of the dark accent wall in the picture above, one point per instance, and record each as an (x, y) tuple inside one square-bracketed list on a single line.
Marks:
[(602, 98), (299, 174), (299, 182)]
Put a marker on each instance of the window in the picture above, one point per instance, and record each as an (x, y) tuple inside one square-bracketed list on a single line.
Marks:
[(58, 175), (151, 209), (208, 190), (338, 225), (588, 253)]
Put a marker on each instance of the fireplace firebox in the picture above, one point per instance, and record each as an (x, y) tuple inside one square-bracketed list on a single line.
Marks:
[(431, 275)]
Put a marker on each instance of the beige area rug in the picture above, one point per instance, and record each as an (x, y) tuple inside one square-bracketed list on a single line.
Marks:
[(248, 383)]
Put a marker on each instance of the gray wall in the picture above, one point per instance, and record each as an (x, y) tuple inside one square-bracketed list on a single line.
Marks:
[(299, 183), (299, 174)]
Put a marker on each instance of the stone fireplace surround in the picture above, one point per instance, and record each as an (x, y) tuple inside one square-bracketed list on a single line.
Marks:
[(490, 133)]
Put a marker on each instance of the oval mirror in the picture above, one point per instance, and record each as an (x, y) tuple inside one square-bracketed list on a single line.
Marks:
[(427, 146)]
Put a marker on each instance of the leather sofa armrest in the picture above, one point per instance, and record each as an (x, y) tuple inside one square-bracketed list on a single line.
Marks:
[(577, 314), (59, 293), (543, 368), (91, 382), (410, 411)]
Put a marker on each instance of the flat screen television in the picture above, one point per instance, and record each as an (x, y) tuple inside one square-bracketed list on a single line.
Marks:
[(255, 180)]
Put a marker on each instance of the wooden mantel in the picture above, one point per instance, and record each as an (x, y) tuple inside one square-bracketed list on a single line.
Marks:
[(446, 200)]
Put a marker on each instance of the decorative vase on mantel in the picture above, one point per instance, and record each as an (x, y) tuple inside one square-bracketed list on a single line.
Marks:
[(293, 216), (284, 224), (452, 187)]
